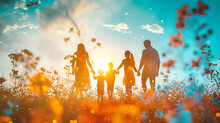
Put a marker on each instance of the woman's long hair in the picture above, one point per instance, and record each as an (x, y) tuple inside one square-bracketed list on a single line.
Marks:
[(81, 48), (128, 54)]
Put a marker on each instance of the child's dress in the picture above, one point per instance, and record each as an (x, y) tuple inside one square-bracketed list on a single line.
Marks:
[(129, 79)]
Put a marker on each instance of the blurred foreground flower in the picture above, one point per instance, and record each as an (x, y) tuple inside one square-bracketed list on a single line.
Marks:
[(196, 63), (56, 106), (5, 119), (179, 115), (39, 84), (93, 39), (182, 14), (99, 44), (50, 111), (66, 39), (201, 8), (169, 63), (176, 40), (2, 79), (195, 92), (127, 114)]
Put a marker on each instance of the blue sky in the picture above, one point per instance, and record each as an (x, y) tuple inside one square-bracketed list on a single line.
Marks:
[(117, 25)]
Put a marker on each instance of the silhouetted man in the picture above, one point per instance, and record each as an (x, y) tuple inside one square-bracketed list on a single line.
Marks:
[(151, 62)]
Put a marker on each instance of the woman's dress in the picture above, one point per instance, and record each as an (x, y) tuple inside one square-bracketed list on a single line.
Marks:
[(82, 78), (129, 79)]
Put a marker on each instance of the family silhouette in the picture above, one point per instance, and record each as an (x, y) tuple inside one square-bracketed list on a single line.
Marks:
[(150, 62)]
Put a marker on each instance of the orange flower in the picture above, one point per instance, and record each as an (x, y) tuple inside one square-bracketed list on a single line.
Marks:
[(99, 44), (43, 69), (207, 71), (182, 13), (2, 79), (71, 30), (201, 9), (169, 63), (67, 39), (93, 40), (176, 40), (5, 119), (127, 114), (202, 5), (55, 106), (196, 63), (39, 84)]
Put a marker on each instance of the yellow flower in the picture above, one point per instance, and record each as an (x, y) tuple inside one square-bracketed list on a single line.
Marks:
[(5, 119), (39, 84), (127, 114)]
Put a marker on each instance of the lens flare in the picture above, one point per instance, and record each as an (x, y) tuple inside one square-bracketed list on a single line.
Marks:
[(100, 63)]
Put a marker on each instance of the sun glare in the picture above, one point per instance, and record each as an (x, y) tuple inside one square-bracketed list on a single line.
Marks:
[(100, 63)]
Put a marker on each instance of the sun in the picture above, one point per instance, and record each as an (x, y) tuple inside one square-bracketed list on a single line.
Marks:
[(100, 63)]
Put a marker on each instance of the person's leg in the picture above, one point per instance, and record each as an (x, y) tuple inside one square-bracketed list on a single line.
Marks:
[(109, 93), (102, 97), (76, 93), (98, 94), (152, 82), (130, 90), (126, 89), (144, 78), (81, 92)]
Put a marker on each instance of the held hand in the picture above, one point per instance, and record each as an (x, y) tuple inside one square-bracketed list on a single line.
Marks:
[(117, 71), (73, 71), (93, 72), (138, 73)]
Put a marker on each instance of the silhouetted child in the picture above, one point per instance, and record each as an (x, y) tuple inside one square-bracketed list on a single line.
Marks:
[(129, 66), (100, 84), (110, 79)]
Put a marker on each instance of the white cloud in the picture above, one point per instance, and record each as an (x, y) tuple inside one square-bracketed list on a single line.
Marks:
[(19, 26), (2, 25), (24, 17), (121, 27), (20, 4), (37, 11), (55, 15), (154, 28)]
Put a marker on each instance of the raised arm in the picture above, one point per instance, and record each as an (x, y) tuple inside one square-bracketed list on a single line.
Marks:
[(142, 61), (88, 62), (158, 62), (116, 72), (122, 63), (94, 77), (140, 66), (135, 69), (73, 61)]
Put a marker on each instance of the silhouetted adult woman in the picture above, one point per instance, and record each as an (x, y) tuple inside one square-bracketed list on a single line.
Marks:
[(80, 69)]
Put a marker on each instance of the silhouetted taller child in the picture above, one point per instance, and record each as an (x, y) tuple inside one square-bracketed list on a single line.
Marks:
[(100, 84), (110, 79), (129, 66)]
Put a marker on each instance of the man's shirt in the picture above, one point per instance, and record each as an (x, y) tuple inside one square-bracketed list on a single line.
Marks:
[(150, 59)]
